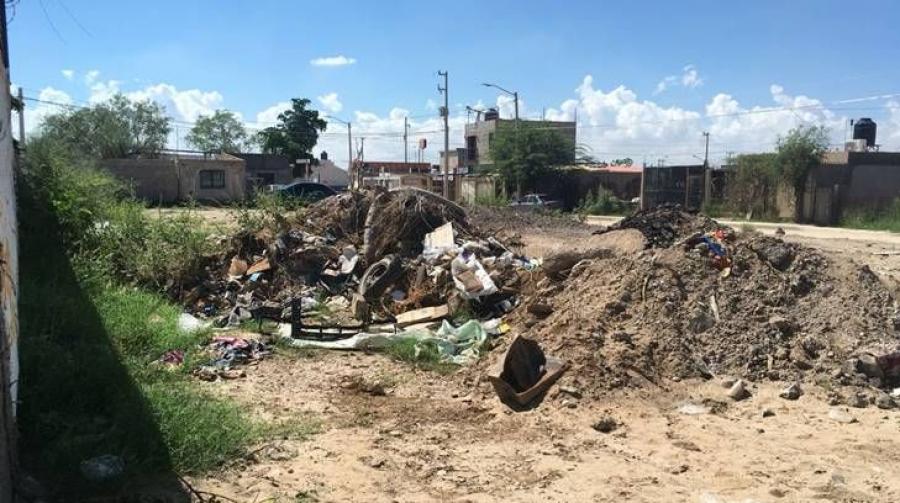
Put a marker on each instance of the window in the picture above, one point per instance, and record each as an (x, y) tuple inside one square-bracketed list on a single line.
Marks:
[(471, 148), (212, 179)]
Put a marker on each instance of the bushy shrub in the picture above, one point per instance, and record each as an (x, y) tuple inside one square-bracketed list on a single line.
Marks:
[(601, 202)]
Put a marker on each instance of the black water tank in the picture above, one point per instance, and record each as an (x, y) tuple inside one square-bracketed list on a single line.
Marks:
[(864, 129), (491, 115)]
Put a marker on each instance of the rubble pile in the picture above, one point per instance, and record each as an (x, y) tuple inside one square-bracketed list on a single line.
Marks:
[(359, 259), (704, 301), (664, 224)]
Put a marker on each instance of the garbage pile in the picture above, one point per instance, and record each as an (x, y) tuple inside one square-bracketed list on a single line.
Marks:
[(703, 300), (364, 264)]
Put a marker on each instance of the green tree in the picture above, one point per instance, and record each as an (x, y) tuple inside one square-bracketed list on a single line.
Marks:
[(219, 132), (521, 155), (752, 183), (296, 132), (798, 152), (115, 128)]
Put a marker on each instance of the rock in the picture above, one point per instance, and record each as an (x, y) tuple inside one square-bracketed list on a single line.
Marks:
[(841, 416), (569, 404), (792, 392), (781, 324), (571, 390), (540, 309), (868, 364), (693, 409), (103, 468), (606, 425), (858, 400), (728, 382), (768, 413), (884, 401), (679, 469), (738, 391)]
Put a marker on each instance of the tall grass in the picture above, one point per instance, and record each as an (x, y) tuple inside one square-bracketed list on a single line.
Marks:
[(884, 219), (92, 324)]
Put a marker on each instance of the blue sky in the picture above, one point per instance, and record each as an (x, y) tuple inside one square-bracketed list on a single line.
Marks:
[(646, 78)]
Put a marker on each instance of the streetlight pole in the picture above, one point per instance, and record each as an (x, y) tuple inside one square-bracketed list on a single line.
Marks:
[(514, 94), (446, 113)]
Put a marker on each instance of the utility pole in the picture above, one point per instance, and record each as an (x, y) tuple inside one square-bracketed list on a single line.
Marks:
[(406, 140), (21, 119), (446, 113), (707, 176), (350, 168)]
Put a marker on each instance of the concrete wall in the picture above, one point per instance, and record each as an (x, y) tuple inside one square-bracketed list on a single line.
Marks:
[(174, 179), (9, 289), (473, 188), (257, 165), (868, 180), (327, 173)]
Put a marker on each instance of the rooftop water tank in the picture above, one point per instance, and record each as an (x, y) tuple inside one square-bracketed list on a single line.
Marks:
[(865, 129)]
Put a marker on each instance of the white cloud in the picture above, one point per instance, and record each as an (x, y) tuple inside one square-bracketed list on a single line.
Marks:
[(889, 136), (691, 78), (68, 74), (331, 102), (91, 76), (339, 60), (665, 83), (269, 116)]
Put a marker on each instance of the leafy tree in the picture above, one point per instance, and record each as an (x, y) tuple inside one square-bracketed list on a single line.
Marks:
[(116, 128), (798, 152), (219, 132), (522, 155), (752, 183), (296, 132)]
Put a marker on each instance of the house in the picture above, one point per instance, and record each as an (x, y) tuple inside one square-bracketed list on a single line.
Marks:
[(375, 168), (457, 162), (328, 173), (847, 181), (267, 169), (178, 177), (480, 135)]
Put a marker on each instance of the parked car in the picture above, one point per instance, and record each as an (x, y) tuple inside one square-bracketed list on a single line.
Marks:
[(535, 201), (308, 191)]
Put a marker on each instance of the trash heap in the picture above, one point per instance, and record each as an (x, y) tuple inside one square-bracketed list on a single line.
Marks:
[(702, 300), (365, 263)]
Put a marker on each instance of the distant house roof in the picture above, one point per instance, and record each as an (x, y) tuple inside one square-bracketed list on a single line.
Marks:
[(622, 168), (394, 166)]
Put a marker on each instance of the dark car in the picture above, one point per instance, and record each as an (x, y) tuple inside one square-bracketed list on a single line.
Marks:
[(308, 191)]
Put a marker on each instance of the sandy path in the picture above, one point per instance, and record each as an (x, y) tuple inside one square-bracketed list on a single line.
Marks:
[(449, 439)]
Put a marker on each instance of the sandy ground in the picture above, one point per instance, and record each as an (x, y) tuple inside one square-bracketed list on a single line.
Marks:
[(448, 438), (432, 438)]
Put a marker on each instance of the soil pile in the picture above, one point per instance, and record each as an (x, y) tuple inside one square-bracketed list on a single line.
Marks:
[(780, 311)]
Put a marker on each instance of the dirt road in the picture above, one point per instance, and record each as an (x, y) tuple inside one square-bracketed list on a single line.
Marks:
[(430, 437)]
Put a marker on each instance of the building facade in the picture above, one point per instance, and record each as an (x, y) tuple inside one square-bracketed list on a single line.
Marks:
[(216, 178), (480, 136), (267, 169)]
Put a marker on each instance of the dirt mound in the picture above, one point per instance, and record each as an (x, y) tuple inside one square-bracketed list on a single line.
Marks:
[(780, 311), (666, 224)]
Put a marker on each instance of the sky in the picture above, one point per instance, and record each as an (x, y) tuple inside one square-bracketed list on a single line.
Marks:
[(644, 79)]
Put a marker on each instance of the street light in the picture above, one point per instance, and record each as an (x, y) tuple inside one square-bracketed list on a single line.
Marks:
[(514, 94), (349, 146)]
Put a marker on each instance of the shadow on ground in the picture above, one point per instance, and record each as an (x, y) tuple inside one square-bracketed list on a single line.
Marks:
[(77, 398)]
